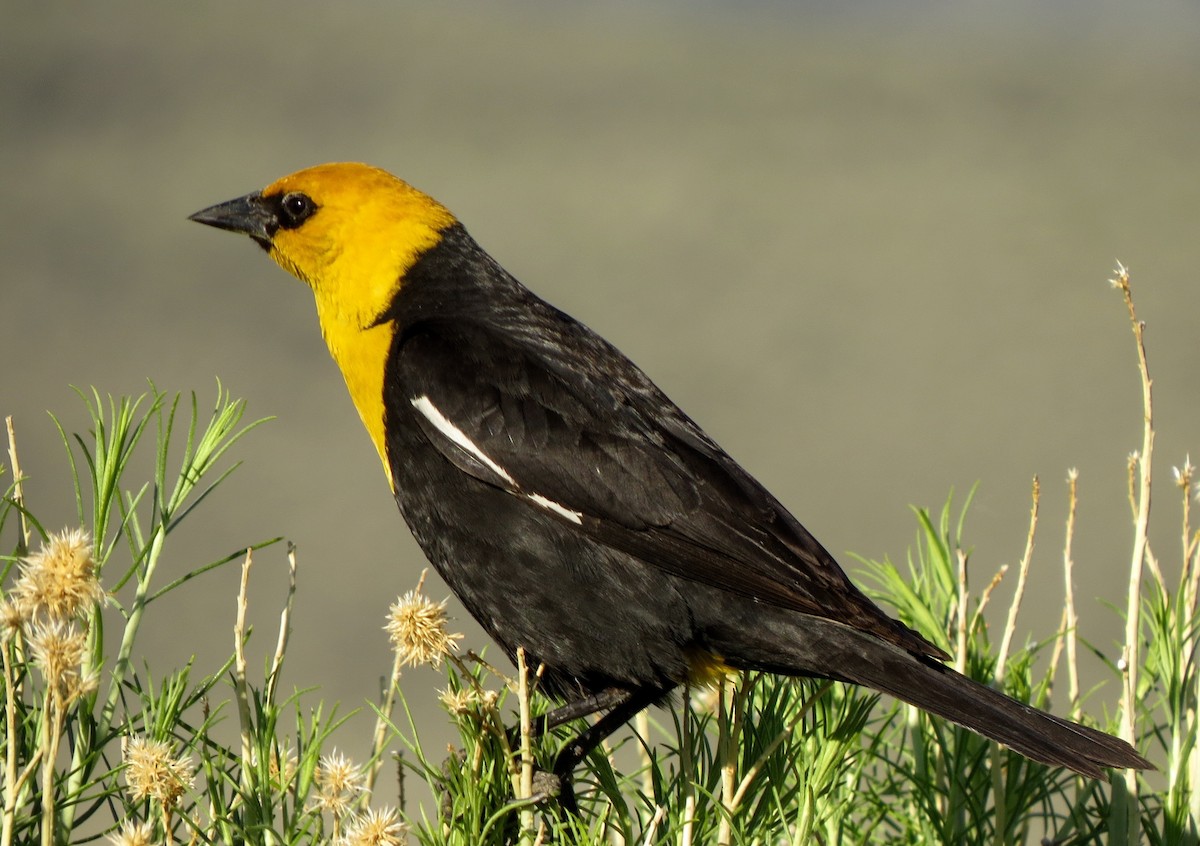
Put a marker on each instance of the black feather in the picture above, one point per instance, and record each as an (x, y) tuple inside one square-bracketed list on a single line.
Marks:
[(593, 523)]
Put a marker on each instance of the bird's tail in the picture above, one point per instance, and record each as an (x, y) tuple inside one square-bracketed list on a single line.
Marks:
[(1033, 733), (837, 651)]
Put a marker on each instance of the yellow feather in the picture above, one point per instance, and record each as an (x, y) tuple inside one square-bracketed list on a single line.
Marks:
[(707, 669), (370, 229)]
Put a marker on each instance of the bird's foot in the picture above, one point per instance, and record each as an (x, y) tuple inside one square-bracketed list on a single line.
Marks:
[(555, 787)]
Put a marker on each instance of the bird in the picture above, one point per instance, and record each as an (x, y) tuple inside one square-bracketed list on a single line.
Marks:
[(575, 510)]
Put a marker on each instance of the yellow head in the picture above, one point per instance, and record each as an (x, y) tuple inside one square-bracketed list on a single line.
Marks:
[(350, 232)]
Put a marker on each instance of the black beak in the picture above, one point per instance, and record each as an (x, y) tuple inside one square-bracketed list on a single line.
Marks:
[(251, 215)]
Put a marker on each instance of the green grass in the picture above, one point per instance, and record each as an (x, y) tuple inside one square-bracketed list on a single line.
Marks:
[(98, 745)]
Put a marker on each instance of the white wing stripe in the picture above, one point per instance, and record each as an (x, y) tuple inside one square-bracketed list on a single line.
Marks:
[(457, 436), (551, 505)]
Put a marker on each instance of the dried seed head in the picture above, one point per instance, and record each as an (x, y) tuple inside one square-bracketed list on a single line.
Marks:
[(461, 702), (468, 701), (417, 627), (376, 828), (152, 773), (14, 614), (339, 782), (81, 685), (61, 577), (133, 834), (1120, 277), (1183, 475), (58, 650)]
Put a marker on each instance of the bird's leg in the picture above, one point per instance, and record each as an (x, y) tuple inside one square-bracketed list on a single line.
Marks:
[(551, 784), (608, 698), (623, 707)]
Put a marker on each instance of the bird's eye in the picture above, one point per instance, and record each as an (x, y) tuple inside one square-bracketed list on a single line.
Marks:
[(296, 208)]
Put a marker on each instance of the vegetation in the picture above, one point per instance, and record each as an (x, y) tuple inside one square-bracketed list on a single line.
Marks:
[(94, 747)]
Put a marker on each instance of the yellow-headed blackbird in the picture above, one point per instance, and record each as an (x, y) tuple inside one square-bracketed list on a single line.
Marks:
[(573, 508)]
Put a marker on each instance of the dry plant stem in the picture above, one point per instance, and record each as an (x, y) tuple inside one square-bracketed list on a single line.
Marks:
[(660, 811), (18, 484), (239, 669), (960, 644), (986, 597), (11, 787), (1132, 655), (285, 626), (1056, 653), (240, 686), (1187, 587), (1010, 626), (687, 765), (727, 743), (641, 724), (379, 737), (525, 781), (464, 673), (1131, 479), (1071, 617), (1152, 566), (13, 783), (52, 720), (999, 791), (472, 655), (1193, 572)]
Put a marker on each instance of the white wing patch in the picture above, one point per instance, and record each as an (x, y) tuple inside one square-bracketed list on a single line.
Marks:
[(561, 511), (459, 438)]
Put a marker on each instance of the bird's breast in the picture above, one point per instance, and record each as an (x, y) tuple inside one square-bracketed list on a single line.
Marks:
[(361, 355)]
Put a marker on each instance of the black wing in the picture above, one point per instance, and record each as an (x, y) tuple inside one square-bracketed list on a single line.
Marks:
[(560, 418)]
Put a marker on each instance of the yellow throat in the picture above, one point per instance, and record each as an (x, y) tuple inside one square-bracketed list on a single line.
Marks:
[(354, 251)]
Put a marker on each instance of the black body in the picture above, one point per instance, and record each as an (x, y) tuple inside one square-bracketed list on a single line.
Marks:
[(660, 550)]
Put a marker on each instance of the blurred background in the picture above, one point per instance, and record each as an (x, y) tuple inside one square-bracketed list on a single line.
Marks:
[(865, 245)]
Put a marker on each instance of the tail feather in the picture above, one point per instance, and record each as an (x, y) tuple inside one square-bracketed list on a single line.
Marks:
[(1033, 733), (815, 646)]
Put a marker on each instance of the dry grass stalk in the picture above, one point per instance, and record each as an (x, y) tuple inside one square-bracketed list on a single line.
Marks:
[(986, 597), (961, 639), (1140, 500), (240, 687), (285, 626), (18, 482), (1070, 614), (524, 785), (1010, 625)]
